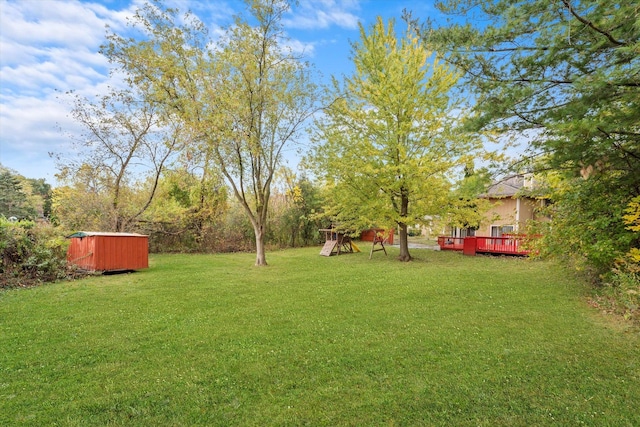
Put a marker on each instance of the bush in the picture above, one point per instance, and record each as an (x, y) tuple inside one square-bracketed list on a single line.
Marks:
[(620, 293), (414, 232), (625, 278), (30, 253)]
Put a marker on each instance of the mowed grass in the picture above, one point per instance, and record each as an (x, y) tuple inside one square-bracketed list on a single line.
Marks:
[(212, 340)]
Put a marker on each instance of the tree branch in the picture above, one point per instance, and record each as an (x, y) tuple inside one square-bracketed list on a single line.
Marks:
[(591, 25)]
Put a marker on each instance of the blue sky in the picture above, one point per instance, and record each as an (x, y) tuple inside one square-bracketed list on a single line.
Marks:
[(48, 47)]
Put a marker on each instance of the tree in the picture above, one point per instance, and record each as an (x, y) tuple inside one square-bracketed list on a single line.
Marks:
[(466, 209), (126, 137), (41, 195), (586, 229), (187, 211), (82, 200), (13, 199), (293, 219), (244, 97), (567, 73), (387, 145)]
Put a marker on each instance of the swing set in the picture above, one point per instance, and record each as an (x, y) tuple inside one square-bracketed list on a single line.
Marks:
[(339, 242)]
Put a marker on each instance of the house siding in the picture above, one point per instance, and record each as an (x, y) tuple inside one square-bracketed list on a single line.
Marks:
[(516, 212)]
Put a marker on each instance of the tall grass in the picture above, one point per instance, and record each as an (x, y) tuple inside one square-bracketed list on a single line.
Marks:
[(310, 340)]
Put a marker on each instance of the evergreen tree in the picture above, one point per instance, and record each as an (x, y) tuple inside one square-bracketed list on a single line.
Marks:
[(567, 74), (13, 199)]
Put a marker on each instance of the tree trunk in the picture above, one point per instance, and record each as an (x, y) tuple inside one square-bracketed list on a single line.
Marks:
[(404, 238), (404, 243), (118, 221), (261, 258)]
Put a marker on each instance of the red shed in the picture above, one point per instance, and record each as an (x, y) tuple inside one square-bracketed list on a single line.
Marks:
[(108, 251)]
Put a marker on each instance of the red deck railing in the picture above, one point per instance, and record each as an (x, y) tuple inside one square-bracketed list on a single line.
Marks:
[(511, 245), (447, 243), (507, 244)]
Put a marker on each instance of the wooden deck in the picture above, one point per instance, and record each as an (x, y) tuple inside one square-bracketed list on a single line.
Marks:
[(447, 243), (507, 244)]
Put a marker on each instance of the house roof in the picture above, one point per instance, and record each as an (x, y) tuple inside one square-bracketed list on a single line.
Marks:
[(508, 186)]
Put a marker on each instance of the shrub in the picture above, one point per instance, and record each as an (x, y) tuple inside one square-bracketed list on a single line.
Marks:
[(414, 232), (620, 294), (30, 253), (621, 291)]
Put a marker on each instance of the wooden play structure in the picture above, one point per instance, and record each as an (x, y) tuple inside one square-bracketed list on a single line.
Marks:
[(371, 234), (337, 242), (379, 238)]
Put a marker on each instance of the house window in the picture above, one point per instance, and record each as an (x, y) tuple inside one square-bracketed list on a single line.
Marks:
[(499, 230), (463, 232)]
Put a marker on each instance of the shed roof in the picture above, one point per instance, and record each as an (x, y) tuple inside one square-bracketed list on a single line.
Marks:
[(104, 233)]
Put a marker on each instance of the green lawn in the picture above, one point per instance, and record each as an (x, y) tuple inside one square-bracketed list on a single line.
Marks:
[(211, 340)]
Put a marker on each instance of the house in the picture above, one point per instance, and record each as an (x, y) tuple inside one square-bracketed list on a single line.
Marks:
[(513, 205)]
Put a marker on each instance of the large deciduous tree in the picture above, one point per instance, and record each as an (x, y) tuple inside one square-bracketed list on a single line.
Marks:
[(243, 97), (387, 144), (127, 142), (568, 74)]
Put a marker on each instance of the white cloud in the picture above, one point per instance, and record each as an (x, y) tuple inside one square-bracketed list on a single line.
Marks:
[(301, 48), (30, 130), (319, 14), (48, 47), (58, 23), (53, 44), (35, 115)]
